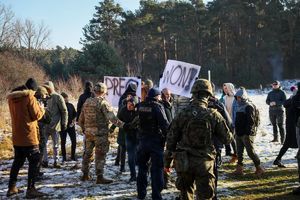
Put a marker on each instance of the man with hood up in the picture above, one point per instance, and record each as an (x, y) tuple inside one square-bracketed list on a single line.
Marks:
[(130, 92), (228, 102), (275, 100), (245, 131), (25, 112), (59, 120)]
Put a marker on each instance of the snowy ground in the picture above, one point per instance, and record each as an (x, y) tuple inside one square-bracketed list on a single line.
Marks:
[(64, 183)]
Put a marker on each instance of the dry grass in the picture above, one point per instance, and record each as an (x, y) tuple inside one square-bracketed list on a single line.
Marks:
[(73, 86), (276, 183), (6, 146)]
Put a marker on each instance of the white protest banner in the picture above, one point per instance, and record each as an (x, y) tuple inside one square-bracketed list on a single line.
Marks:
[(116, 86), (179, 77)]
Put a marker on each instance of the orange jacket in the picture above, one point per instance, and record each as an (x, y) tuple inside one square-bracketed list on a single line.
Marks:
[(25, 113)]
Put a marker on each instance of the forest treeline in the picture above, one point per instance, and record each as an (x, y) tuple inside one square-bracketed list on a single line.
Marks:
[(248, 42)]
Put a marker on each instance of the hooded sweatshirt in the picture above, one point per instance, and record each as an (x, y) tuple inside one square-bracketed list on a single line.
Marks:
[(25, 113), (229, 98), (244, 120)]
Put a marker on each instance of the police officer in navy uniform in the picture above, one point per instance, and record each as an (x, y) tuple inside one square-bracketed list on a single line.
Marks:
[(153, 126)]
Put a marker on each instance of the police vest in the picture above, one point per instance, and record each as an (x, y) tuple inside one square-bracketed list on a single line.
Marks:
[(148, 121)]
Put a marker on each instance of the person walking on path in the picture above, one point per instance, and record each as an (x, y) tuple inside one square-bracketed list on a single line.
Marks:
[(245, 132)]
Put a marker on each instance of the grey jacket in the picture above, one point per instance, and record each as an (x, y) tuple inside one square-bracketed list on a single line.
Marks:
[(58, 110)]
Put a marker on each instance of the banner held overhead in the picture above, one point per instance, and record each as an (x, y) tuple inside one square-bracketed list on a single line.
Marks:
[(179, 77), (116, 86)]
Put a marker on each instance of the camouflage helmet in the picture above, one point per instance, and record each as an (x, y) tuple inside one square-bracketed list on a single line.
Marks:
[(100, 87), (202, 85)]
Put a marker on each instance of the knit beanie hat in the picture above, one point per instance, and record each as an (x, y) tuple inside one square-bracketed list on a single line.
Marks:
[(31, 84), (153, 93)]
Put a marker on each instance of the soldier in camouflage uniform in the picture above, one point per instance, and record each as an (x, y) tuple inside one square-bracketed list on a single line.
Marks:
[(94, 120), (190, 144)]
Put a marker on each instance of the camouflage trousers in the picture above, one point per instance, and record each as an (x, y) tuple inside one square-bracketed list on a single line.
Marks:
[(101, 146), (201, 175)]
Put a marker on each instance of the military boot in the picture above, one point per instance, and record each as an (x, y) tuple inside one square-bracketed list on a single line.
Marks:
[(85, 177), (32, 193), (259, 171), (13, 190), (102, 180), (239, 170)]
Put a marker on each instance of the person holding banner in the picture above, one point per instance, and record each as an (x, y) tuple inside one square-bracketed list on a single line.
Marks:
[(94, 120)]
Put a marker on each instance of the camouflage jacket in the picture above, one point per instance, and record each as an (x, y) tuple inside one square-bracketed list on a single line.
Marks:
[(96, 116), (197, 140)]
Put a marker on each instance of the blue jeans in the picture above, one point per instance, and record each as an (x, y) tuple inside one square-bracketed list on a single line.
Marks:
[(131, 145), (150, 149)]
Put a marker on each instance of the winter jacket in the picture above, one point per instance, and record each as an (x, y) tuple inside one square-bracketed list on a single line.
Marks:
[(229, 98), (245, 115), (213, 102), (25, 113), (169, 110), (71, 113), (82, 98), (131, 89), (296, 105), (290, 139), (127, 116), (278, 96), (58, 110)]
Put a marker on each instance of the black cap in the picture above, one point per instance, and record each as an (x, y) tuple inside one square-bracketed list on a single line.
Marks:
[(31, 84)]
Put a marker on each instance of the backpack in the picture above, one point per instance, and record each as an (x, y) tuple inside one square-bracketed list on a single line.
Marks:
[(198, 131), (256, 115)]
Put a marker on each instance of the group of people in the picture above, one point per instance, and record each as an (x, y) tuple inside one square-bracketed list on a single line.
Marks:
[(157, 131)]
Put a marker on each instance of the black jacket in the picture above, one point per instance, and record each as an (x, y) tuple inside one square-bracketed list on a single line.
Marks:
[(290, 125), (71, 113), (169, 110), (82, 98), (127, 116), (278, 96), (296, 105), (244, 122)]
